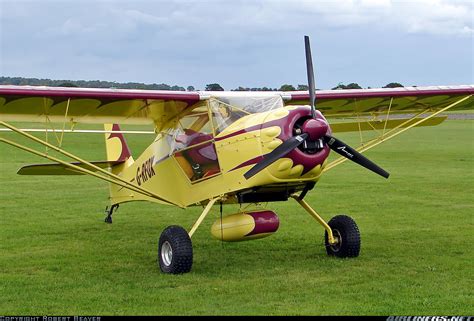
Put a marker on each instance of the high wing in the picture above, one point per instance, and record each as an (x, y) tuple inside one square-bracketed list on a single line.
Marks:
[(372, 109), (91, 105), (377, 102), (354, 109)]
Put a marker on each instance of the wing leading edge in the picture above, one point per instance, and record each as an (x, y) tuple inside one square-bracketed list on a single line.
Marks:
[(373, 102), (88, 105)]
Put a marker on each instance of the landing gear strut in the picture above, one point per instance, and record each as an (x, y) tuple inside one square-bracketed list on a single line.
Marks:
[(175, 249), (342, 236), (109, 212)]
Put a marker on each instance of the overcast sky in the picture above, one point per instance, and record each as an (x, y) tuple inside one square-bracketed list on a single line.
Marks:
[(239, 43)]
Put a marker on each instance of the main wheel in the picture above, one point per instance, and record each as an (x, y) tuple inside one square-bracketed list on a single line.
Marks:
[(347, 233), (175, 250)]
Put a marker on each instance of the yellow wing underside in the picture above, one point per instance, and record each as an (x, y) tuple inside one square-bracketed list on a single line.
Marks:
[(386, 112)]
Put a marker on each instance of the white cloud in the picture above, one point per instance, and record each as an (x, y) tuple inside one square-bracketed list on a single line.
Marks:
[(225, 19), (190, 41), (416, 16)]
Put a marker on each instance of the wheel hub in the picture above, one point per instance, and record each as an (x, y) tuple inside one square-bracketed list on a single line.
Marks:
[(337, 237), (166, 253)]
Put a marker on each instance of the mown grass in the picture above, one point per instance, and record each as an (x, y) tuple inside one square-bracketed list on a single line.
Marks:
[(58, 257)]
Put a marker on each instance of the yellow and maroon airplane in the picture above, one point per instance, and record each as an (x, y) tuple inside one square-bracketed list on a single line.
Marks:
[(225, 148)]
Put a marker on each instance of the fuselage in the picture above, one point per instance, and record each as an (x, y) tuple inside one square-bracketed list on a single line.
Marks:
[(198, 160)]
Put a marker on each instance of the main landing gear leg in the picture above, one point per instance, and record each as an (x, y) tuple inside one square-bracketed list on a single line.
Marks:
[(342, 237), (109, 212), (175, 249)]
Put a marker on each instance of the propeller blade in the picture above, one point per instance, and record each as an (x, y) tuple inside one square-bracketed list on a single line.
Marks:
[(310, 72), (345, 150), (276, 154)]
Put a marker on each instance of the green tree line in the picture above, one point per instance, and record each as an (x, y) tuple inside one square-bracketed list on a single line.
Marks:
[(20, 81)]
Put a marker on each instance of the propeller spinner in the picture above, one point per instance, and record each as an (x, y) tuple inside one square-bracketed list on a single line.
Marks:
[(313, 130)]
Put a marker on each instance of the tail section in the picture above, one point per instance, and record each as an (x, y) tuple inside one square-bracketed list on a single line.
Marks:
[(118, 151), (116, 146)]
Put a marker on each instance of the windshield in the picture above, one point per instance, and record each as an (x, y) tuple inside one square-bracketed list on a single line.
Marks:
[(222, 110), (190, 137), (227, 109)]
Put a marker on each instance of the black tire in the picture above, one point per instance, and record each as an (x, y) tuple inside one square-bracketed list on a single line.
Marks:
[(346, 230), (175, 250)]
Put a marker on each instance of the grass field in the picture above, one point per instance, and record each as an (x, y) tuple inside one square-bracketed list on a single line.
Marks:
[(57, 257)]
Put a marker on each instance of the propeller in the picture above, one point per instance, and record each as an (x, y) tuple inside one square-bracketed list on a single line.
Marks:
[(277, 153), (310, 73), (345, 150), (313, 130)]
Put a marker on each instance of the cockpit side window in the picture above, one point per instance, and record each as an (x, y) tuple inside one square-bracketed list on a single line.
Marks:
[(192, 145)]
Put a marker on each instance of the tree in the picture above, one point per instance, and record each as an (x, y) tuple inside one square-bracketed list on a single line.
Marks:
[(302, 87), (339, 86), (287, 87), (240, 88), (352, 85), (85, 84), (190, 88), (214, 87), (177, 88), (67, 84), (393, 85)]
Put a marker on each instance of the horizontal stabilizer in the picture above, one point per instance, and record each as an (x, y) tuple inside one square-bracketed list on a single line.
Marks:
[(80, 131), (60, 169), (380, 124)]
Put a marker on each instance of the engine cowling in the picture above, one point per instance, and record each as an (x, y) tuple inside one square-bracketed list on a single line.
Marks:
[(245, 226)]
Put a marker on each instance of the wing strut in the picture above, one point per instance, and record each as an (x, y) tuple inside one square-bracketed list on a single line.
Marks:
[(108, 176), (396, 131)]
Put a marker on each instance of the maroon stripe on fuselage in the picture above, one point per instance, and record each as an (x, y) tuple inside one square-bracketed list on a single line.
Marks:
[(308, 161), (276, 122), (249, 162), (239, 132)]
